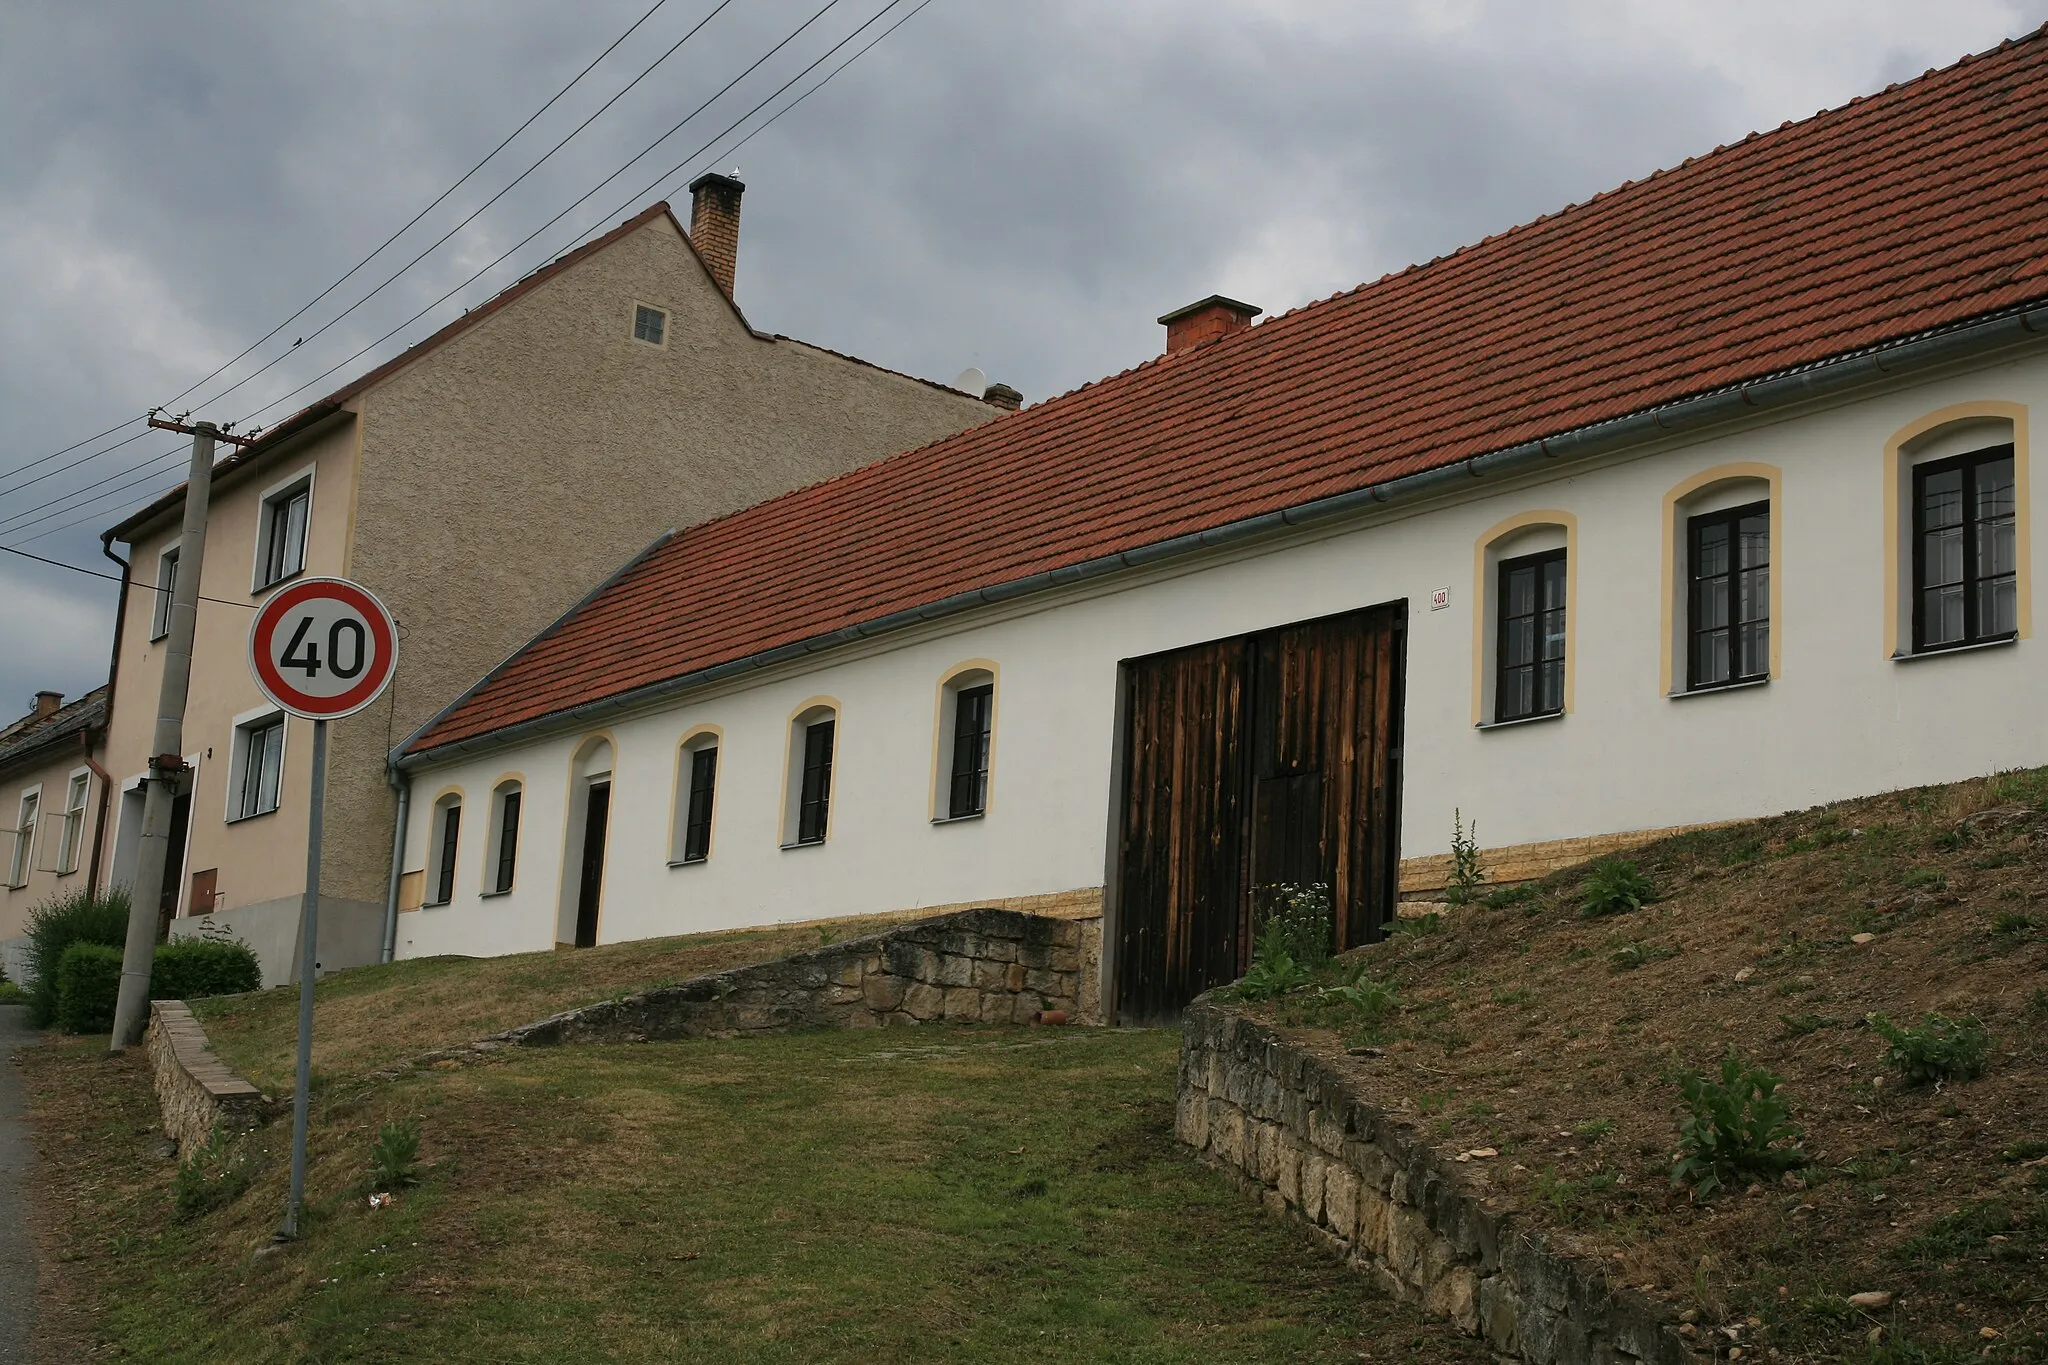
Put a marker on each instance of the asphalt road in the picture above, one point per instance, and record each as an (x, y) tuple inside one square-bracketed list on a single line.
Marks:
[(17, 1249)]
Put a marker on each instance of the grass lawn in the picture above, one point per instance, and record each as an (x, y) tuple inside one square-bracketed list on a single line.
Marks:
[(917, 1194)]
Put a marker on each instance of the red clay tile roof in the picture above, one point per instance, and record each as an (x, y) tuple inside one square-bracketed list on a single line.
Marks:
[(1897, 213), (34, 736)]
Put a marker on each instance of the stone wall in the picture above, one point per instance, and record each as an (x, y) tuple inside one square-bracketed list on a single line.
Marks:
[(194, 1089), (976, 966), (1309, 1144)]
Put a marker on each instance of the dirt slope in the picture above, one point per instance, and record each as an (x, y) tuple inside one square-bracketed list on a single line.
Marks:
[(1555, 1040)]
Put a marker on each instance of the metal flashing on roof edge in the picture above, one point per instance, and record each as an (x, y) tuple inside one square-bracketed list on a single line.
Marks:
[(1820, 379)]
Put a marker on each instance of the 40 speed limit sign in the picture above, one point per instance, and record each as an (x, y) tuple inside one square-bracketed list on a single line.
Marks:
[(323, 648)]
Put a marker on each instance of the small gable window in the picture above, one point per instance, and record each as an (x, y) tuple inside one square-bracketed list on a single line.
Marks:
[(697, 783), (1965, 550), (649, 324), (502, 858), (447, 841), (1531, 647), (1728, 606)]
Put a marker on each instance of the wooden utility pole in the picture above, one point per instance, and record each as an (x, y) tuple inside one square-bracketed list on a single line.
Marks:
[(167, 753)]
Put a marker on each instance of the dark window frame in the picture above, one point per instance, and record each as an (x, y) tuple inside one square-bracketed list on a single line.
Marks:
[(1539, 563), (814, 791), (974, 716), (1972, 581), (641, 313), (278, 548), (166, 588), (1730, 518), (255, 750), (700, 801), (451, 847), (510, 800)]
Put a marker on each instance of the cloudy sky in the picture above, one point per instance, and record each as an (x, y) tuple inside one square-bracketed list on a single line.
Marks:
[(1021, 187)]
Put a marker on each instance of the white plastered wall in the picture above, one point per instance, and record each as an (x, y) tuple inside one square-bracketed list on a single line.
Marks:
[(1840, 717)]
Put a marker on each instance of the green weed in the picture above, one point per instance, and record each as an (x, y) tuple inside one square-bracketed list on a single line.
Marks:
[(1614, 887), (1466, 874), (1940, 1049), (213, 1176), (394, 1157), (1737, 1126)]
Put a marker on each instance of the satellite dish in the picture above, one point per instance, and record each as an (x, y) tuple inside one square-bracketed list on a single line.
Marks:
[(972, 380)]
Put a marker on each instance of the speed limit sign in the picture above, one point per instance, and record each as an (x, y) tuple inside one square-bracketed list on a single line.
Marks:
[(323, 648)]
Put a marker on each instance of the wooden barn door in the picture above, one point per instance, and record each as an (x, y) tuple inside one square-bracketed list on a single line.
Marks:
[(1261, 760)]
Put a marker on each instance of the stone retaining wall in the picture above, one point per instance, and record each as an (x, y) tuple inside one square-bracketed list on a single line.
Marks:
[(194, 1089), (976, 966), (1309, 1143)]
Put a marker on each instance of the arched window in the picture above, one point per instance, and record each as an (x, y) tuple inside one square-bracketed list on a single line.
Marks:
[(696, 797), (966, 742), (1722, 586), (807, 801), (1957, 514), (1524, 581), (501, 854), (447, 840)]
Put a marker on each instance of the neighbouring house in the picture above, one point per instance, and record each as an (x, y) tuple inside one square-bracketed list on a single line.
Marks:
[(1705, 499), (53, 795), (479, 482)]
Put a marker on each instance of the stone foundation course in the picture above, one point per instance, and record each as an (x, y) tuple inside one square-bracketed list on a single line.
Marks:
[(1307, 1142), (194, 1088), (975, 966)]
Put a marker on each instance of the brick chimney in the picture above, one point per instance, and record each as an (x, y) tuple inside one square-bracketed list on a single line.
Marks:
[(715, 224), (47, 704), (1004, 397), (1213, 317)]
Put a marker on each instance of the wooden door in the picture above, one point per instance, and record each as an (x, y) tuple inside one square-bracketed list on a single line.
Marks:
[(1262, 760), (590, 885), (1180, 896)]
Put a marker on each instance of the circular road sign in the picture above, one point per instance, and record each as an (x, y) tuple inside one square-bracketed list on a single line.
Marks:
[(322, 648)]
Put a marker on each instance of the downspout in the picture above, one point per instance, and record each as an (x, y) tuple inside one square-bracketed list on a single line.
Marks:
[(402, 781), (99, 829)]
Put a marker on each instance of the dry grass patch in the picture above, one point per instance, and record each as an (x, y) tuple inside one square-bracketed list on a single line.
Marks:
[(1557, 1038)]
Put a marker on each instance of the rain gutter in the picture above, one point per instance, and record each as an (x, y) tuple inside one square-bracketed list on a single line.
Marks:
[(1822, 379)]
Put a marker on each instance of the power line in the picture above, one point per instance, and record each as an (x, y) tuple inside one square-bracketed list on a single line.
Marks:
[(95, 573), (443, 238), (575, 205), (351, 272), (827, 79), (71, 464), (27, 515)]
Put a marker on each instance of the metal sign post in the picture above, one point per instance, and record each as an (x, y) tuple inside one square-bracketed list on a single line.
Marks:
[(321, 649)]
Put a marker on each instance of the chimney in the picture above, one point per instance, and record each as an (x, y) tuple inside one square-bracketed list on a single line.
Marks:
[(1004, 397), (47, 704), (1213, 317), (715, 224)]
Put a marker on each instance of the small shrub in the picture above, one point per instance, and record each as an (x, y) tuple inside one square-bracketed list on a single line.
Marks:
[(1502, 897), (1466, 874), (1614, 887), (1940, 1049), (1630, 956), (1367, 1001), (215, 1175), (1737, 1126), (1418, 927), (191, 968), (2011, 922), (56, 924), (9, 992), (1297, 921), (1925, 879), (88, 984), (2026, 1149), (394, 1157)]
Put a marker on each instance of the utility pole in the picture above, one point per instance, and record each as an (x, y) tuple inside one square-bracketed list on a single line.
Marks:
[(167, 753)]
